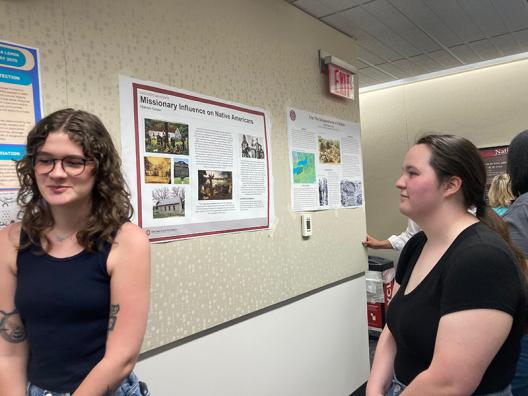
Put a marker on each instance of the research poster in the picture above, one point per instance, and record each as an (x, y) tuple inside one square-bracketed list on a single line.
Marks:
[(196, 165), (325, 162), (495, 160), (20, 109)]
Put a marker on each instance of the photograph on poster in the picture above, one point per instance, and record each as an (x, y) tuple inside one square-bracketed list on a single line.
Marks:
[(250, 147), (303, 166), (157, 170), (166, 137), (168, 202), (215, 185), (323, 191), (329, 151), (181, 171), (351, 193)]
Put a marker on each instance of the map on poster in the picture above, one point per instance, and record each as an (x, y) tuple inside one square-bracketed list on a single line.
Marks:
[(196, 165), (20, 109), (325, 162)]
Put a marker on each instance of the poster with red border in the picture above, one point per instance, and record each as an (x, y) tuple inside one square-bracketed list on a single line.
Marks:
[(196, 165), (495, 159)]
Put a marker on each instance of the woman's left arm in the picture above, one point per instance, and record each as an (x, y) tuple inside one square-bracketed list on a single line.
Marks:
[(129, 268), (466, 343)]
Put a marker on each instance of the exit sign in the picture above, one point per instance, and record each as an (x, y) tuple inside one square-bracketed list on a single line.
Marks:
[(341, 81)]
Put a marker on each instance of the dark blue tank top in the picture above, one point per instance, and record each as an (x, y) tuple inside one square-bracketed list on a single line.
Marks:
[(64, 304)]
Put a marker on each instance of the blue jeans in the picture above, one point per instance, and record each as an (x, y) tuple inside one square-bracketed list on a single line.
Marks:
[(397, 387), (520, 381), (129, 387)]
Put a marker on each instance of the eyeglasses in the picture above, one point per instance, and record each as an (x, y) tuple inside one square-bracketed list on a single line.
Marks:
[(72, 166)]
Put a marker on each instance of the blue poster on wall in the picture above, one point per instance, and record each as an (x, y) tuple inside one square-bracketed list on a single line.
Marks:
[(20, 109)]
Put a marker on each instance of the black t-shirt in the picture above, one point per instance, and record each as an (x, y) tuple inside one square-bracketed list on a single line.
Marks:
[(477, 271)]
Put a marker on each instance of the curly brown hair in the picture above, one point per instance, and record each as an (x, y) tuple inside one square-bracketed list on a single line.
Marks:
[(111, 205)]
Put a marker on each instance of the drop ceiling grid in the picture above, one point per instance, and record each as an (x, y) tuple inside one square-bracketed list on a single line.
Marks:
[(404, 38)]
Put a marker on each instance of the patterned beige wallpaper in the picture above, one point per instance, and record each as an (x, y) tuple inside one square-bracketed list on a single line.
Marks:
[(256, 52)]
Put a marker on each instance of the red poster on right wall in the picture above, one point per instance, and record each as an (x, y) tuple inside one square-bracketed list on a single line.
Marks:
[(495, 160)]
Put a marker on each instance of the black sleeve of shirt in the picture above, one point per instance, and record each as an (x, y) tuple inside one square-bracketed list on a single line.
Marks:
[(407, 253), (481, 277)]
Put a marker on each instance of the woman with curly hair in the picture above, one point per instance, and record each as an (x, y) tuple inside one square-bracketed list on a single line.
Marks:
[(74, 273)]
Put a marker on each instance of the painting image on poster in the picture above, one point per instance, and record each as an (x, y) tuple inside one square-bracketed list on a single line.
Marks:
[(166, 137), (168, 202), (250, 147), (157, 170), (351, 193), (329, 151), (214, 185), (323, 191), (181, 171), (303, 166)]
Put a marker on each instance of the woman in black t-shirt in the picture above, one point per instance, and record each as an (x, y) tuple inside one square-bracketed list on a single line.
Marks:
[(458, 311)]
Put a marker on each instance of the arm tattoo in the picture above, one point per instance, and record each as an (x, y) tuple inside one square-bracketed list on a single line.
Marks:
[(11, 327), (108, 392), (114, 309)]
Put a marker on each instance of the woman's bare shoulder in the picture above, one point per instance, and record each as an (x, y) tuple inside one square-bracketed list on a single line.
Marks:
[(10, 235), (9, 243), (130, 233), (131, 246)]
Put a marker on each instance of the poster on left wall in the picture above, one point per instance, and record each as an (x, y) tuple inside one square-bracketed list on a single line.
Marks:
[(20, 109), (196, 165)]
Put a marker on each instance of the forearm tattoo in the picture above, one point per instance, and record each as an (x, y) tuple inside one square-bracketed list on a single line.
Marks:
[(108, 392), (11, 327), (114, 309)]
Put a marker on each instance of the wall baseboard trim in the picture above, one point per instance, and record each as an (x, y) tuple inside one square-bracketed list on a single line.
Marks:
[(203, 333)]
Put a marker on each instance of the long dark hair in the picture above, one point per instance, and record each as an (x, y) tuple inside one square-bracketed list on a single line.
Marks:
[(518, 164), (456, 156), (110, 198)]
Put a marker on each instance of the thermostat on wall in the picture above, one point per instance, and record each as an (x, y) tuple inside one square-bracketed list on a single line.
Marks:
[(306, 222)]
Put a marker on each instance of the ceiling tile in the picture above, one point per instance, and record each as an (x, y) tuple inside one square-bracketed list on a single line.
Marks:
[(427, 20), (456, 19), (485, 16), (426, 63), (522, 39), (506, 44), (514, 13), (373, 26), (345, 21), (466, 54), (485, 49), (445, 59), (367, 56), (392, 18), (320, 8), (361, 65), (377, 75), (409, 68), (393, 69)]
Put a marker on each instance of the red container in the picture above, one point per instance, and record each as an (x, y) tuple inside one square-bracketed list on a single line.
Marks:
[(380, 282)]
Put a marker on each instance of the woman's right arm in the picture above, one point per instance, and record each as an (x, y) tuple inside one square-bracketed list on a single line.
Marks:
[(382, 369), (13, 343)]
